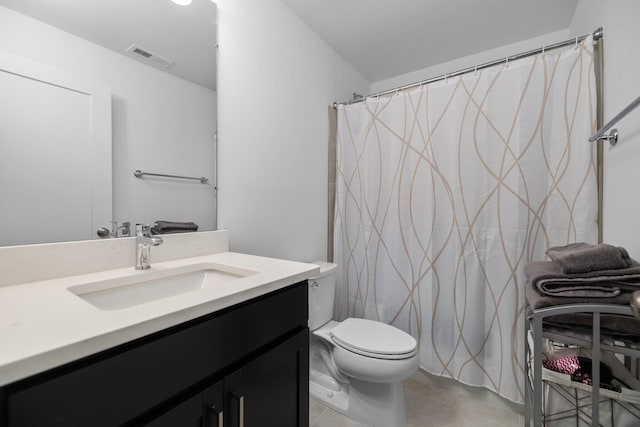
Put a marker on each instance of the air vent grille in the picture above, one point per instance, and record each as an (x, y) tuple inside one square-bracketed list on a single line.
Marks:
[(149, 56), (142, 52)]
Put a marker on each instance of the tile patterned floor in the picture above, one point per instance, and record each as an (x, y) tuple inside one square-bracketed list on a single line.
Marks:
[(437, 402)]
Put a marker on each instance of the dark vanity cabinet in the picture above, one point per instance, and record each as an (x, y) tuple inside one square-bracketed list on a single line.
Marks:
[(205, 408), (247, 365)]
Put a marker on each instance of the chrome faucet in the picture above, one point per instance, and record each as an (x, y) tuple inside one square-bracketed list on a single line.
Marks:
[(144, 241)]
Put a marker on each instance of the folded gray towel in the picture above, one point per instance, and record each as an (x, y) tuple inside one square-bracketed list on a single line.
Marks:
[(547, 286), (166, 227), (547, 278), (584, 257)]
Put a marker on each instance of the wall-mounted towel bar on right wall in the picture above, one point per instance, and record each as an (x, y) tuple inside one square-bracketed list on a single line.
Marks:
[(612, 137)]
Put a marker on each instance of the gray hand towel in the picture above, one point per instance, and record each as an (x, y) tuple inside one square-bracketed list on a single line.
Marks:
[(166, 227), (584, 257)]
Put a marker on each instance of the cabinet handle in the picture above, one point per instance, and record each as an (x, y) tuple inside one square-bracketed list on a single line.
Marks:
[(219, 416), (240, 409)]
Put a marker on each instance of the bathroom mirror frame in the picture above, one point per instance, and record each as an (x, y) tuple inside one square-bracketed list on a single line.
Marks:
[(148, 198)]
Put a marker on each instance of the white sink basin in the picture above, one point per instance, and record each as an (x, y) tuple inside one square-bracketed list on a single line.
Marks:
[(129, 291)]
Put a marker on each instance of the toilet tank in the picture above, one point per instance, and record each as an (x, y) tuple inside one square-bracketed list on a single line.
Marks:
[(322, 290)]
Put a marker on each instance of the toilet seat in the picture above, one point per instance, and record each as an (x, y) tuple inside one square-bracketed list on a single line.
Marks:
[(374, 339)]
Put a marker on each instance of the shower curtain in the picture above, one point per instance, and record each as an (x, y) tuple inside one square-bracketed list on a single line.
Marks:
[(444, 192)]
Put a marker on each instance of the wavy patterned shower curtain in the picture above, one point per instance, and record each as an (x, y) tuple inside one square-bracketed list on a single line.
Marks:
[(444, 192)]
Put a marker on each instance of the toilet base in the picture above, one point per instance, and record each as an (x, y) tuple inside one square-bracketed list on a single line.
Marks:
[(375, 404)]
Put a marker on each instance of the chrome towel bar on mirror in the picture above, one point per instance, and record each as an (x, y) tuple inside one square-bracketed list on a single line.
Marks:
[(139, 174)]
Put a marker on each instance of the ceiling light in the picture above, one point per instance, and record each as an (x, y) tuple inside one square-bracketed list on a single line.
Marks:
[(182, 2)]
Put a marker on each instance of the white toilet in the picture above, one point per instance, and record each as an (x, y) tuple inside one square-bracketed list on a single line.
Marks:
[(357, 365)]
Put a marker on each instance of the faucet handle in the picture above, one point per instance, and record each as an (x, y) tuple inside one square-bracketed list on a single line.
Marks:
[(103, 232), (126, 229), (143, 229), (138, 229)]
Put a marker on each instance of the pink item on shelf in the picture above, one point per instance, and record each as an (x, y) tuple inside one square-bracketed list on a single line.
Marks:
[(566, 365)]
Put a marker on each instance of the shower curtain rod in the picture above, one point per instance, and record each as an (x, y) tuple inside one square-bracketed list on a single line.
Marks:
[(597, 35)]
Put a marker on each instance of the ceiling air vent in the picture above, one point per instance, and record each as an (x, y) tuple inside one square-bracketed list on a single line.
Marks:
[(149, 56)]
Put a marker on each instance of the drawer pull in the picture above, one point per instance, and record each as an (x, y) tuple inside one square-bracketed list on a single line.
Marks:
[(219, 416), (240, 400)]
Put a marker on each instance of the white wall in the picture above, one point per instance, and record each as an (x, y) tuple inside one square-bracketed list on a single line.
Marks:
[(276, 79), (160, 123), (469, 61), (619, 18)]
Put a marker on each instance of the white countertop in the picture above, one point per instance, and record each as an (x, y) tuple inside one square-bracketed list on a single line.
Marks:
[(44, 325)]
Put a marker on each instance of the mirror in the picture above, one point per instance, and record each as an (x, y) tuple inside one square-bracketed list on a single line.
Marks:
[(155, 60)]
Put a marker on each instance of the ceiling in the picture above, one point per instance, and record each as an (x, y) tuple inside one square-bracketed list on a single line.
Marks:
[(380, 38), (184, 34), (387, 38)]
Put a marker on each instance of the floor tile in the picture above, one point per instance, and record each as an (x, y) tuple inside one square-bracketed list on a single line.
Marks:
[(437, 402), (331, 418), (428, 405), (482, 411), (315, 410)]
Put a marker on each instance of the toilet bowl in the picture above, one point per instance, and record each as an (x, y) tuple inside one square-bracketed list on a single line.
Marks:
[(357, 365)]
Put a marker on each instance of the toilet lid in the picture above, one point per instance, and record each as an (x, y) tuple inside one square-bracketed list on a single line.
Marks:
[(375, 339)]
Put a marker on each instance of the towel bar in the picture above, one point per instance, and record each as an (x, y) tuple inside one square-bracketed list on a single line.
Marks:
[(613, 136), (139, 174)]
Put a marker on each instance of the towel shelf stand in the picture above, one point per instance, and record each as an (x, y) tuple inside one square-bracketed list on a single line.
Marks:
[(139, 174)]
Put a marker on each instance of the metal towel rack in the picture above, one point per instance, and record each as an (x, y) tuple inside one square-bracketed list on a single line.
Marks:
[(613, 135), (139, 174)]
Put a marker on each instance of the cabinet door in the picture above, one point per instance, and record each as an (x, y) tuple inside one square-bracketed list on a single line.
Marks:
[(187, 414), (201, 410), (212, 405), (119, 385), (273, 389)]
